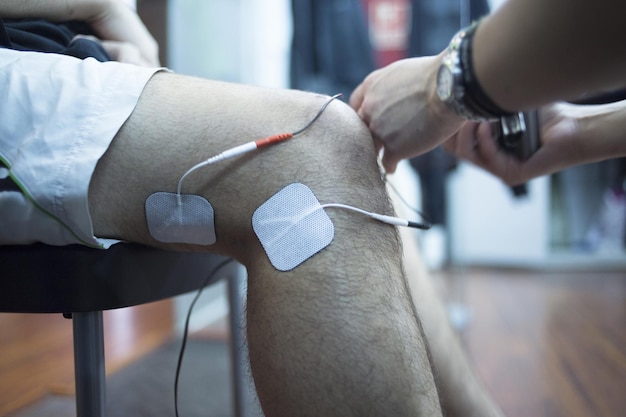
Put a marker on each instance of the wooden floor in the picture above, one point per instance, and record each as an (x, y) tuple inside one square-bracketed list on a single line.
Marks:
[(36, 350), (546, 344)]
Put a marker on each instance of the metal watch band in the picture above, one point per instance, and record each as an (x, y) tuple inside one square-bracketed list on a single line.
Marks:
[(466, 98)]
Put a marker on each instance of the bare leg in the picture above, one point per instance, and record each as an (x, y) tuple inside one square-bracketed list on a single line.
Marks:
[(336, 336), (461, 392)]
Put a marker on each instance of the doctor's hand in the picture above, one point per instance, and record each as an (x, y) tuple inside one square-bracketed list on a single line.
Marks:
[(400, 106), (569, 134)]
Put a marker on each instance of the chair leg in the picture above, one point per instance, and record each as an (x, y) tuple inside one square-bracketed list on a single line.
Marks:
[(89, 368), (244, 396)]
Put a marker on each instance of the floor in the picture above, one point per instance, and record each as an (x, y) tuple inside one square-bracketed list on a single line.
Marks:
[(547, 344), (36, 351)]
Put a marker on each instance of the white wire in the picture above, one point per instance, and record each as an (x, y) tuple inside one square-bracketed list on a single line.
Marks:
[(246, 147), (345, 206), (394, 221), (380, 217), (209, 161)]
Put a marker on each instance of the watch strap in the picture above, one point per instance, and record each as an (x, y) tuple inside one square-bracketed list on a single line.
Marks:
[(466, 96), (475, 97)]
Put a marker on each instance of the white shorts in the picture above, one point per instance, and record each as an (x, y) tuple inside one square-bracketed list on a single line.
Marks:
[(58, 115)]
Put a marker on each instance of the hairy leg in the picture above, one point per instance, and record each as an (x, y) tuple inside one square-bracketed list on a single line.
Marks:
[(461, 392), (338, 335)]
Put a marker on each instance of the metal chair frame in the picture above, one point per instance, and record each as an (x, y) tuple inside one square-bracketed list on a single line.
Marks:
[(81, 283)]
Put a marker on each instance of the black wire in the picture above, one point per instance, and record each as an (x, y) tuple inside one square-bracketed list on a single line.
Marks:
[(319, 113), (186, 329), (424, 226)]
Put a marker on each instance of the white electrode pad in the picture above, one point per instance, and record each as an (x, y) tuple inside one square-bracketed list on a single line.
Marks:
[(292, 226), (184, 218)]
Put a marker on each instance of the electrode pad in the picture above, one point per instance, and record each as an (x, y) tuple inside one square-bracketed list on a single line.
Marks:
[(292, 226), (184, 218)]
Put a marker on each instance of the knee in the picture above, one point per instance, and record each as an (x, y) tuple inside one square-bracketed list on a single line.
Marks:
[(337, 151), (348, 137), (334, 157)]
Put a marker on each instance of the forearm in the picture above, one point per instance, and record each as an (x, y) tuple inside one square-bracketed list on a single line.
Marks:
[(532, 52), (600, 130), (84, 10)]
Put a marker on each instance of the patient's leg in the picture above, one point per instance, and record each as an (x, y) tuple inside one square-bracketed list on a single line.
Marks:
[(336, 336), (461, 391)]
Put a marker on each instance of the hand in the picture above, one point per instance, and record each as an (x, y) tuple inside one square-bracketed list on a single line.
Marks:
[(561, 146), (123, 35), (114, 22), (400, 106), (125, 52)]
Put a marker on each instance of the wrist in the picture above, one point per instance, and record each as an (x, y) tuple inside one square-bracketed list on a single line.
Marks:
[(457, 85), (443, 112)]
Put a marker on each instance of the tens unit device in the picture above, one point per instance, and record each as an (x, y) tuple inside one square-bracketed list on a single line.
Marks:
[(518, 134)]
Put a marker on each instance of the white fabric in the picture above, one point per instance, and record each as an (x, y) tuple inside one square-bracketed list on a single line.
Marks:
[(58, 115)]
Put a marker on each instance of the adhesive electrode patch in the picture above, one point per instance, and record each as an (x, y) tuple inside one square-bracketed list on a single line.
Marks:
[(292, 226), (184, 218)]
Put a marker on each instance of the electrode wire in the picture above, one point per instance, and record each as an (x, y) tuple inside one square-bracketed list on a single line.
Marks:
[(319, 113), (394, 221), (251, 146), (181, 352), (406, 203)]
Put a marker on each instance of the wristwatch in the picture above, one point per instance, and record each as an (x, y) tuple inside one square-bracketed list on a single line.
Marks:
[(457, 86), (450, 80)]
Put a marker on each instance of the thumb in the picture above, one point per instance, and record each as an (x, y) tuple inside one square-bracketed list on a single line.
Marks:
[(390, 163), (356, 98)]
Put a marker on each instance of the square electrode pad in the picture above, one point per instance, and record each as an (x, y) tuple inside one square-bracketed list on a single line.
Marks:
[(188, 220), (292, 226)]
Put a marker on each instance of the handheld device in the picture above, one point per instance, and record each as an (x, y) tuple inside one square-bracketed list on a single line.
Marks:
[(518, 134)]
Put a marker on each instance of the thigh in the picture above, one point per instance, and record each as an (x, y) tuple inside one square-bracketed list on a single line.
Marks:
[(180, 121)]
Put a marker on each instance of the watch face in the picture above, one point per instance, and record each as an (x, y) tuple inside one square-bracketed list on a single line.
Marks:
[(445, 82)]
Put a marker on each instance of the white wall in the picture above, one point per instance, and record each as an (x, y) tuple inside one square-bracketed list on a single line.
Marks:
[(495, 3), (488, 225), (243, 41)]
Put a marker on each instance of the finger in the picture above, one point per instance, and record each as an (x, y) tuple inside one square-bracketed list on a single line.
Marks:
[(356, 98), (451, 144), (493, 159), (487, 148), (122, 24), (125, 52), (466, 142), (378, 145), (88, 37), (389, 161)]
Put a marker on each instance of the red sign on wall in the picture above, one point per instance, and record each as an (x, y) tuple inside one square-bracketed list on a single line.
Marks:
[(389, 27)]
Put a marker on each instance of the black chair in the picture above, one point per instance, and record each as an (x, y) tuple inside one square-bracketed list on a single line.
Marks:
[(80, 283)]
